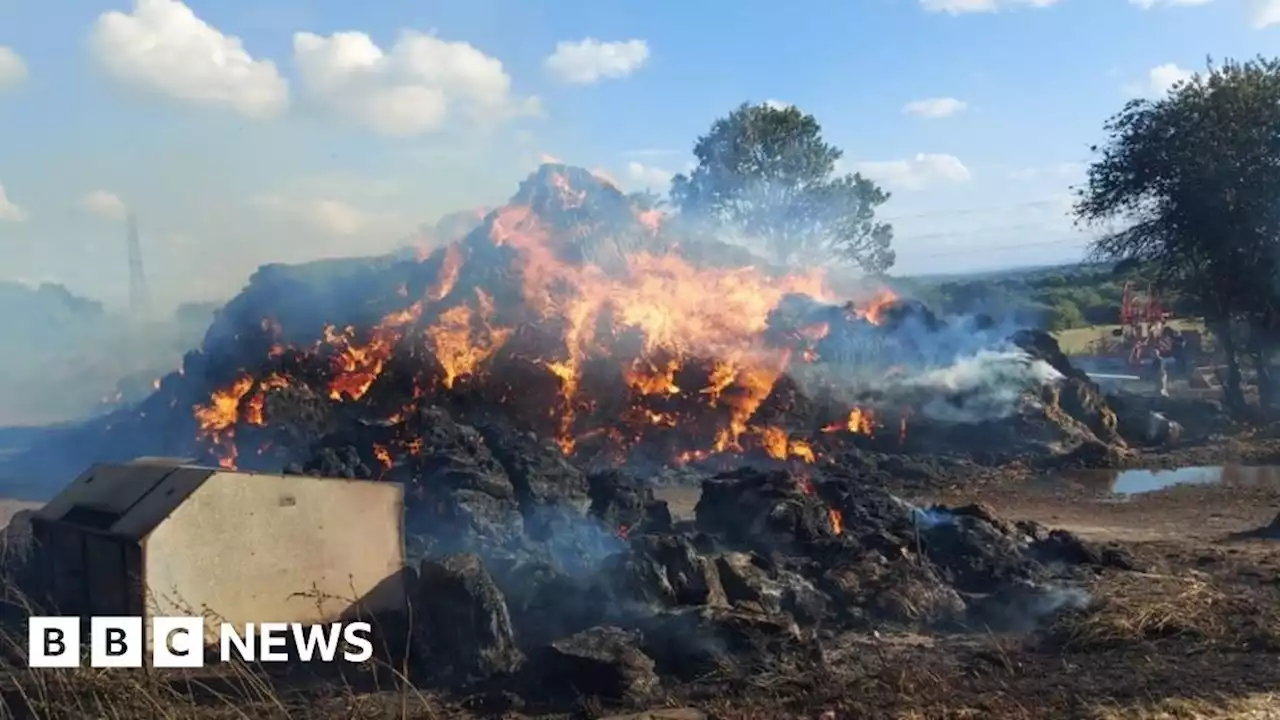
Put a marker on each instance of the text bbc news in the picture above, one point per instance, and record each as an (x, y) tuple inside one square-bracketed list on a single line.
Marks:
[(179, 642)]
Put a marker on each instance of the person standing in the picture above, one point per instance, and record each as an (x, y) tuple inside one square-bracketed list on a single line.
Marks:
[(1160, 369)]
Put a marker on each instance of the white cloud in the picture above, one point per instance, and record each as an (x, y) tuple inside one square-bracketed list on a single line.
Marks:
[(962, 7), (10, 210), (326, 215), (916, 173), (163, 47), (413, 88), (104, 204), (1265, 13), (1160, 80), (13, 70), (590, 60), (935, 107), (777, 104), (1148, 4), (649, 177), (339, 218)]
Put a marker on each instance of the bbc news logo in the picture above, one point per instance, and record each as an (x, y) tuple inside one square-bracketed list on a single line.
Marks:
[(178, 642)]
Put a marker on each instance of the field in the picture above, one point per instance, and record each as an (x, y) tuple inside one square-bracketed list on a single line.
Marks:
[(1081, 341)]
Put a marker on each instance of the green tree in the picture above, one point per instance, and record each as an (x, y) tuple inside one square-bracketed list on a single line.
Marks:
[(1064, 315), (767, 172), (1194, 176)]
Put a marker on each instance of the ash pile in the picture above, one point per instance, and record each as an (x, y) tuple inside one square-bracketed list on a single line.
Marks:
[(572, 315), (550, 584)]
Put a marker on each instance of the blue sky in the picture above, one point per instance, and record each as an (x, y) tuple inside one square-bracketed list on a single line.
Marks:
[(250, 132)]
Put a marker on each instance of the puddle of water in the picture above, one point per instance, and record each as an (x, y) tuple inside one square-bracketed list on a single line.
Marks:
[(1133, 482)]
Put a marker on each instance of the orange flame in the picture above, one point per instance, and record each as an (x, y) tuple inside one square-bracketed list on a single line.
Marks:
[(669, 311), (218, 418), (859, 422), (873, 312), (837, 520), (359, 365)]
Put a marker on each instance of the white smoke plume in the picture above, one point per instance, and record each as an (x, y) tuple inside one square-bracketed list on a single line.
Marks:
[(985, 386), (959, 370)]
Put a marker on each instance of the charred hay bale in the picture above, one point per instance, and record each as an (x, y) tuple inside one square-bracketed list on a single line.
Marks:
[(626, 503), (1151, 421), (549, 490), (1063, 546), (753, 584), (1030, 530), (747, 582), (905, 312), (974, 555), (299, 418), (695, 642), (767, 509), (914, 469), (663, 571), (1083, 400), (908, 593), (599, 662), (462, 631), (865, 510), (979, 511), (456, 456), (335, 462), (460, 496), (1043, 346), (1076, 394), (545, 602), (1200, 417), (1163, 431)]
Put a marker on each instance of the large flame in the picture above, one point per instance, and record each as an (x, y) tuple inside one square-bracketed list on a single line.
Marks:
[(687, 343)]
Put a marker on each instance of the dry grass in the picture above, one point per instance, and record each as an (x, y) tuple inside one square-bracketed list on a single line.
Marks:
[(1140, 609), (1260, 706), (378, 688), (231, 691)]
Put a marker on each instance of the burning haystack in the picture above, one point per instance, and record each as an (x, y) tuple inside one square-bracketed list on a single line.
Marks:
[(517, 382), (572, 315)]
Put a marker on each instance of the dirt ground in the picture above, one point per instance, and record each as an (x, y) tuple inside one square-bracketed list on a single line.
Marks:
[(1194, 634)]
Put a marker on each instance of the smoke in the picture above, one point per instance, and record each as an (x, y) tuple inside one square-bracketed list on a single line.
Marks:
[(959, 370), (926, 518), (988, 385), (67, 357)]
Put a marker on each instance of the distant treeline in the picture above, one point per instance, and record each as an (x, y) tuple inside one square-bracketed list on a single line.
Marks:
[(1055, 298)]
